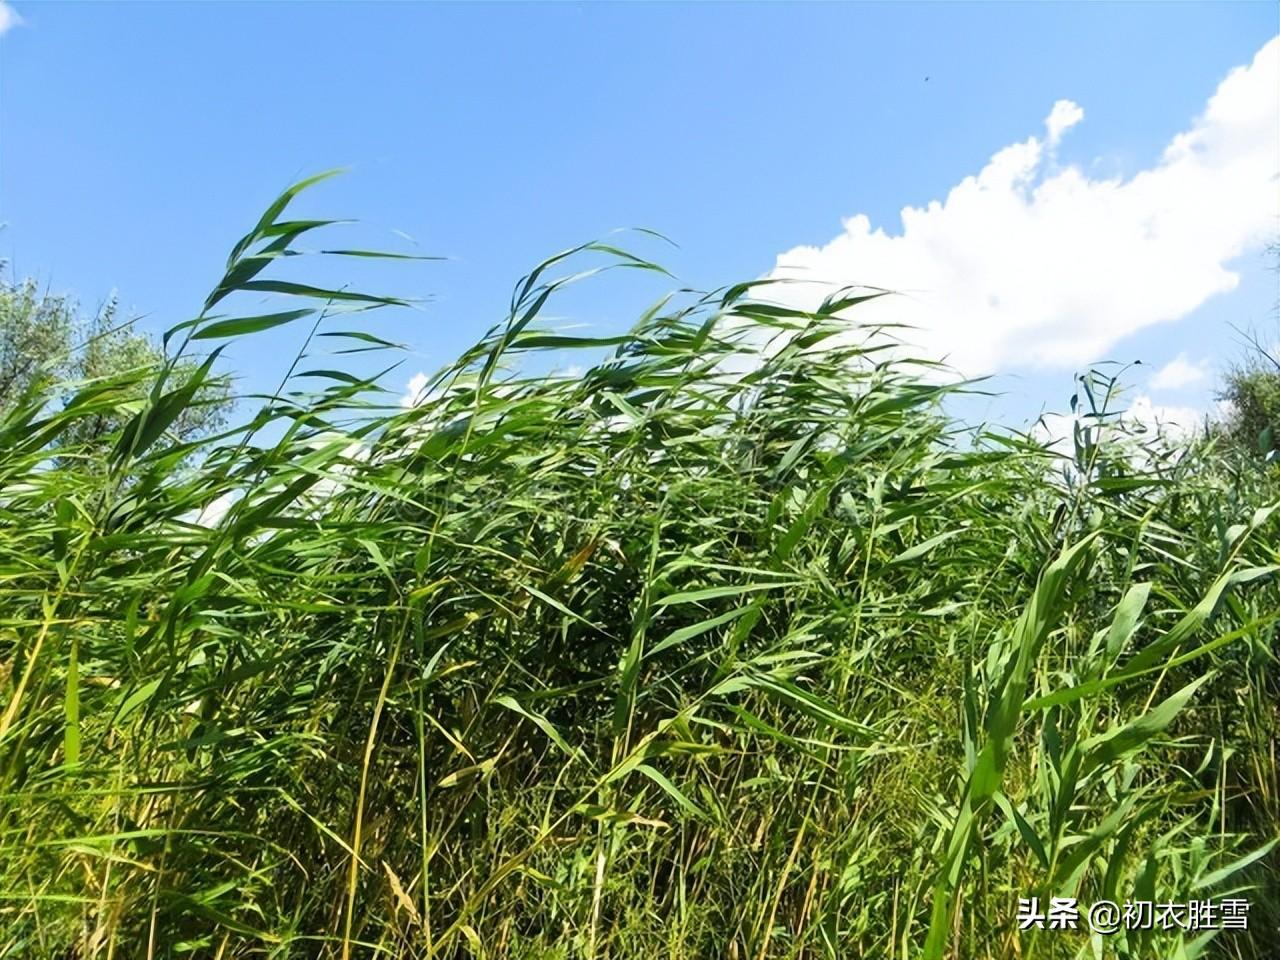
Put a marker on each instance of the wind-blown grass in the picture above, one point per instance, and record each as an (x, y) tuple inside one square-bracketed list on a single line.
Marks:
[(689, 656)]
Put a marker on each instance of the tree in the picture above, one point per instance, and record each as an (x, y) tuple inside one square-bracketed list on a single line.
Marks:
[(1251, 389), (36, 333), (47, 349)]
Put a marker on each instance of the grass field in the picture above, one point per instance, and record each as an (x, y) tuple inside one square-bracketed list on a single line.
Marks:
[(735, 645)]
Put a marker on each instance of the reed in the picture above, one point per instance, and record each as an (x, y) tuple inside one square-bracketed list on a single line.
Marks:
[(714, 650)]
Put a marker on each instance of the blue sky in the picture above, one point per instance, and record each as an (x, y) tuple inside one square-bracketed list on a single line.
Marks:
[(137, 141)]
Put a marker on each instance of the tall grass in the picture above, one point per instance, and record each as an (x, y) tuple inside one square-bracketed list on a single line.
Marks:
[(716, 650)]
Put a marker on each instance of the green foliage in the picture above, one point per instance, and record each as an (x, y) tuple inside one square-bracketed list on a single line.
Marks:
[(1252, 391), (46, 349), (735, 645), (35, 336)]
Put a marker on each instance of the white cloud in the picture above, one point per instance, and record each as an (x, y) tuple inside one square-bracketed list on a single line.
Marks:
[(212, 513), (420, 389), (1062, 118), (1138, 423), (1021, 265), (1173, 422), (414, 391), (8, 18), (1178, 372), (1054, 430)]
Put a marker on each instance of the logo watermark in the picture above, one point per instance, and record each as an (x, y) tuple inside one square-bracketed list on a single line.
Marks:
[(1107, 916)]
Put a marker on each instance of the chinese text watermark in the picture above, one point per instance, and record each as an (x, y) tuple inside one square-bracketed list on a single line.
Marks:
[(1107, 916)]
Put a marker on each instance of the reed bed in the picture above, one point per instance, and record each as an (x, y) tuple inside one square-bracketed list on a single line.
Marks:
[(735, 645)]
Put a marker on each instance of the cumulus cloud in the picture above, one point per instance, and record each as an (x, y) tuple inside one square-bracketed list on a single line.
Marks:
[(1062, 118), (1029, 264), (213, 512), (1173, 422), (1142, 417), (1178, 372), (8, 18), (415, 391)]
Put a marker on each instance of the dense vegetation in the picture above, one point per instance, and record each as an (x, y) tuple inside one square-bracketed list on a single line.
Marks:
[(45, 347), (735, 645), (1251, 391)]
